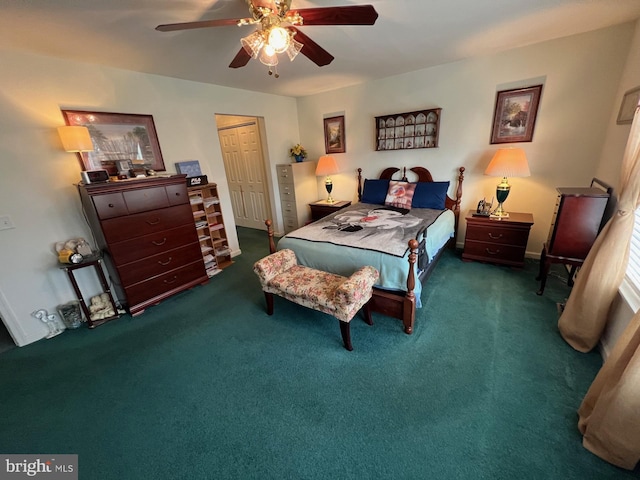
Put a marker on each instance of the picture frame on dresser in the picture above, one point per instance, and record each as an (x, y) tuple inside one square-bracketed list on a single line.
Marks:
[(118, 137), (334, 135), (514, 116)]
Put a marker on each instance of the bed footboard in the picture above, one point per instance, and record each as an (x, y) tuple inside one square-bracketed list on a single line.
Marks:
[(400, 305)]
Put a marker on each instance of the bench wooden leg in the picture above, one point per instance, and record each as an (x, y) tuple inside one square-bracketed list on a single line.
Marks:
[(269, 298), (367, 314), (345, 330)]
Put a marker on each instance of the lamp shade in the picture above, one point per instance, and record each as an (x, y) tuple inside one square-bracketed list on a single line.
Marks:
[(508, 162), (326, 166), (75, 139)]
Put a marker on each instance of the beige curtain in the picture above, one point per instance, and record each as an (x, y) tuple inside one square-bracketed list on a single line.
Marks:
[(609, 417), (610, 412), (585, 314)]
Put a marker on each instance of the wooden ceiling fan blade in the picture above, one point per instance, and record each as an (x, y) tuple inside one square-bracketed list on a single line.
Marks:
[(171, 27), (312, 50), (241, 59), (347, 15)]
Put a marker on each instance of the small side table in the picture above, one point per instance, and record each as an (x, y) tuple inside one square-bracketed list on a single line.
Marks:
[(497, 240), (94, 261), (322, 208)]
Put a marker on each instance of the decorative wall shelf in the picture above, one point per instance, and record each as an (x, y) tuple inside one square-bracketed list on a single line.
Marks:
[(407, 131)]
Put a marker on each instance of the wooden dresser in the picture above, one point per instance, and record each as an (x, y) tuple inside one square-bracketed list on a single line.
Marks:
[(494, 240), (298, 187), (146, 231)]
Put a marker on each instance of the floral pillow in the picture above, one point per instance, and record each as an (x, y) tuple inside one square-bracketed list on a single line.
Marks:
[(400, 194)]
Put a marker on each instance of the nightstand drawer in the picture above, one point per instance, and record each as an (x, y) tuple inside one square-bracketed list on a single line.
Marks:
[(498, 234), (491, 252)]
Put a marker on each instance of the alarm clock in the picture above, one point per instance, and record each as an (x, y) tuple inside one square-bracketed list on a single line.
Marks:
[(94, 176)]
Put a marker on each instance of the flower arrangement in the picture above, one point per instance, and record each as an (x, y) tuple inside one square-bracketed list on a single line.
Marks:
[(298, 152)]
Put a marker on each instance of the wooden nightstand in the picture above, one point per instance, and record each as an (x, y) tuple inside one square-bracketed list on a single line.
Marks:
[(321, 208), (502, 241)]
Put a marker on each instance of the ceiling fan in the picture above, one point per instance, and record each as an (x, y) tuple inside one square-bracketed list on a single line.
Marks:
[(277, 32)]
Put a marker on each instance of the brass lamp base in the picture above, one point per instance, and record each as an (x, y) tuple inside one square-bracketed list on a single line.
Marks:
[(328, 184), (502, 192)]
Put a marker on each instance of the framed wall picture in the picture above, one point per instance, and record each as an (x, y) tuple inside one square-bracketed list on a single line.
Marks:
[(118, 137), (334, 135), (405, 131), (515, 113), (628, 106)]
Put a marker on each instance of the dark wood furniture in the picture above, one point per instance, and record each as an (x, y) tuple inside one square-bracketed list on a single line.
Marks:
[(402, 305), (145, 230), (94, 261), (576, 222), (497, 240), (321, 208)]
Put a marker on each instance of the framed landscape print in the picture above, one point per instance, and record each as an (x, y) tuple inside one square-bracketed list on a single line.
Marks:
[(628, 106), (515, 113), (334, 135), (118, 138)]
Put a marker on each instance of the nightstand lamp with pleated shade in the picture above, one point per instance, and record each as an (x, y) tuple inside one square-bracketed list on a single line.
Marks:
[(327, 166), (507, 162)]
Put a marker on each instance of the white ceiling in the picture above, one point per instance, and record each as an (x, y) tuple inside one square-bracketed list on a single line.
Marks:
[(408, 35)]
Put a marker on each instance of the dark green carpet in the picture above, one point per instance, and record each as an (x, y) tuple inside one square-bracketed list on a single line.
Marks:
[(207, 386)]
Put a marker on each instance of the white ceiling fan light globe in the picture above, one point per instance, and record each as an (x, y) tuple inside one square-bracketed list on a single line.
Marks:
[(279, 39)]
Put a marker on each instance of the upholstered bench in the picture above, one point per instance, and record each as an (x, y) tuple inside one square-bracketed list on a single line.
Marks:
[(342, 297)]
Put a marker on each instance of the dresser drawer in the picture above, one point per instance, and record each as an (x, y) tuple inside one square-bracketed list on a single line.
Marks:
[(166, 284), (131, 226), (177, 194), (154, 265), (498, 234), (158, 242), (492, 252), (290, 223), (145, 199), (110, 205)]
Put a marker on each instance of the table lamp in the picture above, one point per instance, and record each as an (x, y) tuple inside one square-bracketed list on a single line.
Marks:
[(327, 166), (75, 139), (507, 162)]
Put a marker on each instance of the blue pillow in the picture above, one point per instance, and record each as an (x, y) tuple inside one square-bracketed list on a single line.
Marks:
[(374, 191), (430, 195)]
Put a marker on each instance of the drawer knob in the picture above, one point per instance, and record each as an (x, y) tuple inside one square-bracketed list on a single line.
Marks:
[(162, 242), (153, 222), (491, 252), (495, 237), (164, 264), (111, 205), (171, 280)]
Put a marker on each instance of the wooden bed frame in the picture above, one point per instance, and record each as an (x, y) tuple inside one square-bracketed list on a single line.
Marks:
[(402, 305)]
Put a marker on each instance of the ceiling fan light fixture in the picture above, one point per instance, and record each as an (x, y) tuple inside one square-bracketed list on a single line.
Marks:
[(279, 39), (294, 49), (268, 56), (253, 43)]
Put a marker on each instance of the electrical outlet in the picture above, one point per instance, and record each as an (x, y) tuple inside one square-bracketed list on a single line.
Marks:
[(6, 223)]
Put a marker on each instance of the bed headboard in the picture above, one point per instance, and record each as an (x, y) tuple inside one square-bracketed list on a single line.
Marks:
[(424, 175)]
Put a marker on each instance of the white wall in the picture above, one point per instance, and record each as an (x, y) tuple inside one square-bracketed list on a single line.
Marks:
[(580, 76), (37, 177), (609, 170)]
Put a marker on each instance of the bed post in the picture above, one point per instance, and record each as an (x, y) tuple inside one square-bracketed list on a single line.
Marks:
[(359, 184), (272, 245), (456, 207), (409, 304)]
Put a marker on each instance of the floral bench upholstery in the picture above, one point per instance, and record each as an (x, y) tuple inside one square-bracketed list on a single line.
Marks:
[(342, 297)]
